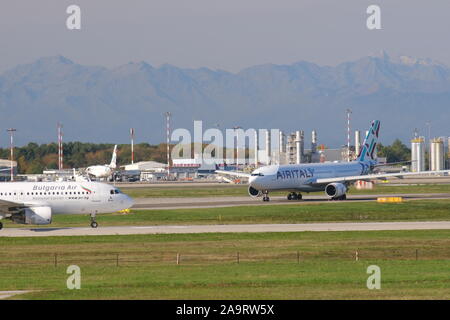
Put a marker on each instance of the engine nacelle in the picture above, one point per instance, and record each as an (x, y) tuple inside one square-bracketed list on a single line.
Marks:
[(254, 193), (334, 190), (33, 215)]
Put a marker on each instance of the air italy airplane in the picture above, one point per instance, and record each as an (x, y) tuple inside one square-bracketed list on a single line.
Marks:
[(36, 203), (333, 178)]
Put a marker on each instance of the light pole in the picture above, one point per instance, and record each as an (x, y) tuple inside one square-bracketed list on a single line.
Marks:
[(60, 147), (168, 115), (349, 111), (428, 145), (132, 145), (11, 134)]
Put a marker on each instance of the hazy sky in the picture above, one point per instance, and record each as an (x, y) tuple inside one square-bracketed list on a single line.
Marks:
[(225, 34)]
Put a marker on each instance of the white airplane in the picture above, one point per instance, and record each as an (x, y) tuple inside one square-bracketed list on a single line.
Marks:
[(104, 171), (36, 202), (333, 178)]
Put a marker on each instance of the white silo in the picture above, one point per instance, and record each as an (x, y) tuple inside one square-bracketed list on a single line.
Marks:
[(282, 148), (418, 154), (256, 148), (437, 154), (268, 149), (299, 146)]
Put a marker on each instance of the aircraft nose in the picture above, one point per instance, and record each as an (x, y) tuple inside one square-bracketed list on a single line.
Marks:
[(127, 201), (130, 202)]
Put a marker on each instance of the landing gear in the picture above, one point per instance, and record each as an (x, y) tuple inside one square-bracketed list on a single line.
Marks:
[(266, 196), (94, 223), (294, 196), (343, 197)]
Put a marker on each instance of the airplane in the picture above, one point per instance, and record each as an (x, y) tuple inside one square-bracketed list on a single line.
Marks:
[(333, 178), (104, 171), (37, 202)]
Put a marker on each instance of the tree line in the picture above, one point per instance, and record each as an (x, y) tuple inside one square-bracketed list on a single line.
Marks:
[(34, 158)]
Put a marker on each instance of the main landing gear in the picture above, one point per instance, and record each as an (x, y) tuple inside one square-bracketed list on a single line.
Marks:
[(266, 195), (294, 196), (94, 223), (343, 197)]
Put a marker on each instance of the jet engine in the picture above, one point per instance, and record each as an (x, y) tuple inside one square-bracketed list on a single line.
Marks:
[(254, 193), (33, 215), (335, 190)]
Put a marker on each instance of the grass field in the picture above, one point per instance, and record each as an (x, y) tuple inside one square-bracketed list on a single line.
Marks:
[(241, 190), (416, 210), (268, 268)]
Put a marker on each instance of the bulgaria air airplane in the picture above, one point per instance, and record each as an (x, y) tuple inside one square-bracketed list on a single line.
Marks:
[(333, 178), (36, 203)]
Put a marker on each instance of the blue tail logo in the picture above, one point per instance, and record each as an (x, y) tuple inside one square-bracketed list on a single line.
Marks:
[(370, 143)]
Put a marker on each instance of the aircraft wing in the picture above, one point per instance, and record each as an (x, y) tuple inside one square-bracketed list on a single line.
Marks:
[(234, 173), (7, 206), (378, 176)]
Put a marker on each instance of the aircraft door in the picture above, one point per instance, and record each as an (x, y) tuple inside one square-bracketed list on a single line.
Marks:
[(95, 196)]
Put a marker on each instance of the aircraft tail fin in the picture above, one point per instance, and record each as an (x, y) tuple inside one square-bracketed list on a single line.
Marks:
[(113, 163), (370, 143)]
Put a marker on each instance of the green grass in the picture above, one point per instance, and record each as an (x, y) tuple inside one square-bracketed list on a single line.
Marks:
[(268, 266), (417, 210), (241, 190)]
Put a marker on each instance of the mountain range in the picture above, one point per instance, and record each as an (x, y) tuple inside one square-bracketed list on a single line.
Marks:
[(99, 104)]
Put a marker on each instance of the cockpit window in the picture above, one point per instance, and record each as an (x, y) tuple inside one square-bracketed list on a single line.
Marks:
[(258, 174)]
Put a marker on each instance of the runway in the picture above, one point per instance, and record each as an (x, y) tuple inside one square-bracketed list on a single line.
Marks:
[(216, 202), (190, 229)]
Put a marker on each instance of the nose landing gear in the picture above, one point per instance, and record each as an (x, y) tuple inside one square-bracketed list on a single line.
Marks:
[(266, 195), (94, 223)]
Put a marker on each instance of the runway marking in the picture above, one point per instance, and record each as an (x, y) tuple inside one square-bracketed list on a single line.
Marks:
[(234, 228), (9, 294)]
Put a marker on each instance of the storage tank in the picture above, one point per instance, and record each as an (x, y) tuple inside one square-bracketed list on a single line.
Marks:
[(418, 154), (299, 146), (256, 148), (268, 151), (437, 152)]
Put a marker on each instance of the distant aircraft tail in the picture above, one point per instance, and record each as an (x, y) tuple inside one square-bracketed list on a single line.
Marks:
[(113, 163), (370, 143)]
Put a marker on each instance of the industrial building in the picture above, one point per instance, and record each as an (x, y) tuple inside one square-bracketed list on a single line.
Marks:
[(418, 154), (437, 154)]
